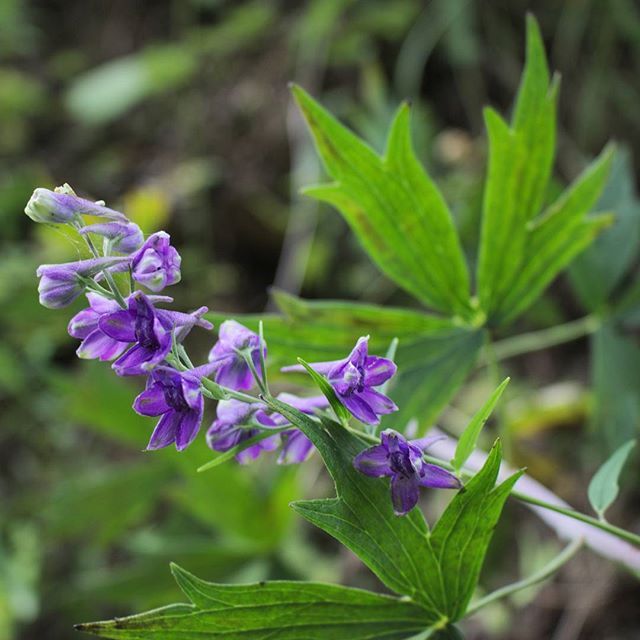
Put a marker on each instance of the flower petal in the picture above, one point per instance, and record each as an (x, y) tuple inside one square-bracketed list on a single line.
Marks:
[(360, 409), (438, 478), (373, 462), (165, 432), (99, 345), (378, 370), (404, 494), (188, 429), (378, 402), (151, 402), (235, 374), (83, 323), (120, 325), (296, 449)]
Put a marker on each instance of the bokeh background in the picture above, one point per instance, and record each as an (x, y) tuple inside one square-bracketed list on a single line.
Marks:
[(178, 113)]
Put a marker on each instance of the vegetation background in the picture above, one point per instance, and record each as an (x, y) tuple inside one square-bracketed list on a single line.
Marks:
[(178, 112)]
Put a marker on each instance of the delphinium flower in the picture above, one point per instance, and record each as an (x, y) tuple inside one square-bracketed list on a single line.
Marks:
[(127, 325), (233, 371), (237, 422), (156, 264), (175, 396), (402, 460), (63, 206), (121, 237), (148, 329), (61, 284), (354, 380)]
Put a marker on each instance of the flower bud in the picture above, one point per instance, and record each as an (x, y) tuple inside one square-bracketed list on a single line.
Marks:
[(63, 205), (125, 237), (156, 264)]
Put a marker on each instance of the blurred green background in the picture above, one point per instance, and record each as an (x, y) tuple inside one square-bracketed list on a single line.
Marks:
[(178, 113)]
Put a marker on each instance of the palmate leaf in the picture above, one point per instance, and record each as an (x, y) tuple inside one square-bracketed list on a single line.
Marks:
[(520, 253), (279, 609), (394, 208), (439, 570), (434, 354)]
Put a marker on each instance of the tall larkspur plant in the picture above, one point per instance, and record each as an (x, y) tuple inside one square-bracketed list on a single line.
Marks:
[(378, 472)]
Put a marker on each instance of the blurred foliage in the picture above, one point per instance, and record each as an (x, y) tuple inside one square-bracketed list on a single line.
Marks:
[(177, 111)]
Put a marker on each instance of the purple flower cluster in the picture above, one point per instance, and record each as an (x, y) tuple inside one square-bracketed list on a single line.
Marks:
[(133, 329)]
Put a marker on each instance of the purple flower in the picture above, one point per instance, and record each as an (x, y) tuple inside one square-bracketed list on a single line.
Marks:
[(84, 326), (354, 378), (177, 398), (156, 264), (296, 447), (150, 329), (232, 369), (238, 421), (402, 460), (62, 206), (61, 284), (124, 237)]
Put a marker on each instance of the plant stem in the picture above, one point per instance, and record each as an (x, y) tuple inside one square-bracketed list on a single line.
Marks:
[(549, 569), (537, 340), (577, 515), (108, 277)]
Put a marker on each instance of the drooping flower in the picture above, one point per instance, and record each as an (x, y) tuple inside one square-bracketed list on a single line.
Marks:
[(238, 421), (138, 324), (156, 264), (149, 330), (62, 206), (61, 284), (84, 326), (402, 461), (354, 380), (176, 397), (124, 237), (233, 371), (296, 447)]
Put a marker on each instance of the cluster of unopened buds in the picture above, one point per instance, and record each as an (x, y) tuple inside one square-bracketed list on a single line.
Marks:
[(129, 325)]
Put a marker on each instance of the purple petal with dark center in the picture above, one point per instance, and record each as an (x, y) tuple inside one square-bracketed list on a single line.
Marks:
[(151, 402), (404, 494), (378, 370), (391, 440), (438, 478), (373, 462), (165, 432)]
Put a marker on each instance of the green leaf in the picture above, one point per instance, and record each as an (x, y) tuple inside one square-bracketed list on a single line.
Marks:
[(556, 237), (604, 488), (520, 163), (434, 354), (396, 211), (282, 609), (469, 437), (600, 268), (340, 410), (395, 548), (461, 537), (616, 382)]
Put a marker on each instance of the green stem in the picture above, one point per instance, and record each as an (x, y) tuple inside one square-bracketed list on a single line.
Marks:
[(548, 570), (108, 277), (577, 515), (537, 340)]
